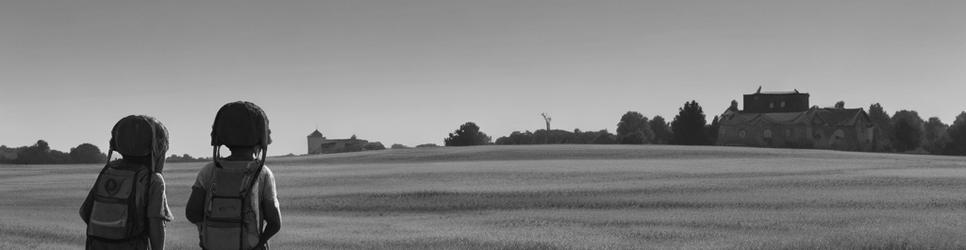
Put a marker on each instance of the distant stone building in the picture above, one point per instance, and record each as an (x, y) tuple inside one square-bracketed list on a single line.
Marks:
[(318, 144), (784, 119)]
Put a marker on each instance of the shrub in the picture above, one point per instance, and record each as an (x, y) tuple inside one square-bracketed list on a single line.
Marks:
[(467, 135)]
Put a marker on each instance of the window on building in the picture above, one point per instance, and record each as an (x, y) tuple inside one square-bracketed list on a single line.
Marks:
[(788, 133), (766, 134), (741, 133), (771, 105), (783, 104)]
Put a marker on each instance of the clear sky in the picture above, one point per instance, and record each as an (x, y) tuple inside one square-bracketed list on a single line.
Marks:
[(412, 71)]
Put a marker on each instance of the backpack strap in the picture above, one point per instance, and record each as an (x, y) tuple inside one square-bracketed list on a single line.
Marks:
[(147, 201), (145, 195), (258, 172)]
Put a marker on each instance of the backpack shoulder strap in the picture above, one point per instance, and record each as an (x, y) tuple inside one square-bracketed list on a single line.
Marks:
[(254, 179), (147, 199), (258, 172), (144, 171)]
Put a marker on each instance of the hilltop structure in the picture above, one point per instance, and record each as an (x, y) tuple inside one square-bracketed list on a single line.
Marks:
[(318, 144), (784, 119)]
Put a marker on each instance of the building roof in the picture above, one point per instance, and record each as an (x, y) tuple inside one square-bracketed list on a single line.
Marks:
[(759, 92), (786, 118), (346, 141), (840, 117), (830, 116), (779, 93), (316, 133)]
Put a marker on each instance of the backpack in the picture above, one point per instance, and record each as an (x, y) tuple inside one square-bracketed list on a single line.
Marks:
[(227, 209), (119, 204), (119, 196)]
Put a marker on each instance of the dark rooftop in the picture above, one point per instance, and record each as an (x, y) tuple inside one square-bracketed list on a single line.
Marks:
[(316, 133)]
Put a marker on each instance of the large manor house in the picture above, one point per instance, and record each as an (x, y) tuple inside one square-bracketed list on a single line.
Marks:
[(319, 144), (785, 119)]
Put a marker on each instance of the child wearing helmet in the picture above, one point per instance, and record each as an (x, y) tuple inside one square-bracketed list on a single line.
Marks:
[(127, 208), (233, 200)]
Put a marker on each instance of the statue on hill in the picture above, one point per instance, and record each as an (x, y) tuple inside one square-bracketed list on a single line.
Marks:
[(546, 118)]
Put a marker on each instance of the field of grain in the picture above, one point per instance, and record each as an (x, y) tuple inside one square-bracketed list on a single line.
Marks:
[(556, 197)]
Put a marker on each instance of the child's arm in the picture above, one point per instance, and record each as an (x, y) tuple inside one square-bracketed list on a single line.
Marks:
[(158, 212), (273, 223), (156, 232), (270, 209), (194, 211)]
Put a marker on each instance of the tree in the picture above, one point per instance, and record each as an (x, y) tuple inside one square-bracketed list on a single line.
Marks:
[(605, 137), (516, 138), (662, 132), (883, 123), (688, 125), (467, 135), (908, 129), (713, 131), (634, 128), (935, 137), (587, 137), (840, 105), (555, 136), (58, 157), (42, 145), (183, 158), (87, 153), (398, 146), (39, 153), (957, 136)]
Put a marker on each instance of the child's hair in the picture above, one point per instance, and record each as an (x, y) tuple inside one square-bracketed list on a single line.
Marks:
[(241, 124), (140, 136)]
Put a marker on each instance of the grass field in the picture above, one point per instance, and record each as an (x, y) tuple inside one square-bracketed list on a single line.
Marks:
[(556, 197)]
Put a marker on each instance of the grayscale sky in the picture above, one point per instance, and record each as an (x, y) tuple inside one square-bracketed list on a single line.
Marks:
[(412, 71)]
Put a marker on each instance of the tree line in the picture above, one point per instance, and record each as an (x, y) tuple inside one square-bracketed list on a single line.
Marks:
[(85, 153), (903, 132), (632, 128), (40, 153)]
